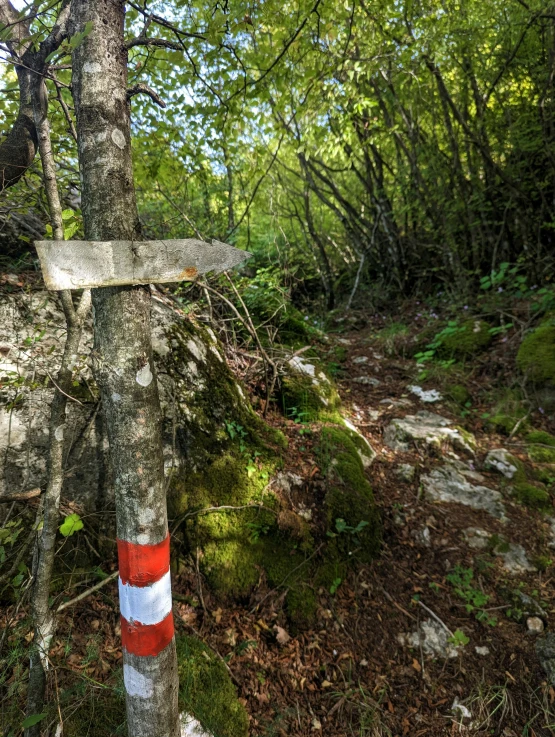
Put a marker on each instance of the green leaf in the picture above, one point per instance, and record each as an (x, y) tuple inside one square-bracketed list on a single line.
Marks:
[(459, 638), (71, 524), (32, 720)]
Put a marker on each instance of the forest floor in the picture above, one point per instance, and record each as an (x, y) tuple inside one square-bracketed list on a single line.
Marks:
[(477, 602)]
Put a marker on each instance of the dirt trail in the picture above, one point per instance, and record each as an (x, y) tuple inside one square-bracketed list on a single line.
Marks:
[(434, 637)]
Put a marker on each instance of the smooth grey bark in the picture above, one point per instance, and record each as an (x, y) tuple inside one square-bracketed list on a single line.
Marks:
[(123, 351)]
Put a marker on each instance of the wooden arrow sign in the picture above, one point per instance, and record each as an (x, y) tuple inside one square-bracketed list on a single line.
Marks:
[(82, 264)]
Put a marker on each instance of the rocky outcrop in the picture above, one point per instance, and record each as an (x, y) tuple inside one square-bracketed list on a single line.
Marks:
[(429, 430)]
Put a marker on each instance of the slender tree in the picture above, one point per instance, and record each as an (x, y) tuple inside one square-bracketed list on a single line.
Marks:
[(126, 374)]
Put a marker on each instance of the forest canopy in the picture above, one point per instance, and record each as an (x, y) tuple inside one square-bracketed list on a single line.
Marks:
[(411, 142)]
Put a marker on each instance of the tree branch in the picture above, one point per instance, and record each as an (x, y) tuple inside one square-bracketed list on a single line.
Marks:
[(161, 42), (143, 89)]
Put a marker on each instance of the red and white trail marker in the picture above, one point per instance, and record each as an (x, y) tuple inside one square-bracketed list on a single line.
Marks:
[(145, 597)]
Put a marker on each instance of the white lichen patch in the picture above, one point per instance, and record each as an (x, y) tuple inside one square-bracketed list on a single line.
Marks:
[(144, 375), (91, 67), (137, 684), (116, 397), (118, 138), (146, 516), (59, 433)]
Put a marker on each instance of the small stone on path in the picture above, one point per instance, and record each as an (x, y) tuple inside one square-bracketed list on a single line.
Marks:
[(460, 710), (514, 558), (501, 460), (482, 650), (361, 359), (367, 381), (432, 638), (476, 538), (446, 484), (405, 472), (432, 429), (391, 402), (426, 395), (535, 625)]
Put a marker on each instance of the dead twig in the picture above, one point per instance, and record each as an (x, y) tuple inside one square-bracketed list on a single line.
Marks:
[(88, 592)]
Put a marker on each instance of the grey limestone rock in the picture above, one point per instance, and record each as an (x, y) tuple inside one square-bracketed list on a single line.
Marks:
[(447, 484), (429, 429)]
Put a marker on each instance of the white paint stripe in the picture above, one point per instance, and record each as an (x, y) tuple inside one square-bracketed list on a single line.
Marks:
[(146, 604), (136, 684)]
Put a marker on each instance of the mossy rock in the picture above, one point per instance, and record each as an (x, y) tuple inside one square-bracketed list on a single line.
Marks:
[(472, 337), (205, 397), (227, 456), (294, 330), (506, 423), (458, 393), (508, 412), (541, 454), (206, 690), (349, 497), (536, 355), (545, 474), (306, 391), (532, 496), (541, 437), (542, 446), (229, 540)]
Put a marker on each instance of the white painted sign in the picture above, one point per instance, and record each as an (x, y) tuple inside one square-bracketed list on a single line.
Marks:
[(84, 264)]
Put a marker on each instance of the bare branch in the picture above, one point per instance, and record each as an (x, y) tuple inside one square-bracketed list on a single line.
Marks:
[(143, 89), (20, 496), (88, 592), (161, 42)]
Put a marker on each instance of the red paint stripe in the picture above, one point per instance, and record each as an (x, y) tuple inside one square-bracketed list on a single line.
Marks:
[(142, 565), (146, 639)]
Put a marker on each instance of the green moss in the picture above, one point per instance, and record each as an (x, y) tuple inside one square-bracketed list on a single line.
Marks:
[(206, 690), (540, 454), (301, 393), (532, 496), (294, 330), (508, 411), (458, 393), (545, 474), (349, 496), (467, 436), (536, 355), (542, 562), (301, 605), (506, 423), (228, 540), (541, 437), (466, 340)]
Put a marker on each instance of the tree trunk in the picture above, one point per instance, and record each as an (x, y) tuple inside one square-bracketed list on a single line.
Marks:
[(125, 374)]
